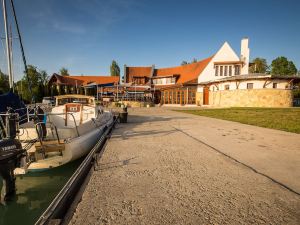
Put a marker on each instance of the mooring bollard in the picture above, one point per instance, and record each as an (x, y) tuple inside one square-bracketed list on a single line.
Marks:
[(123, 115)]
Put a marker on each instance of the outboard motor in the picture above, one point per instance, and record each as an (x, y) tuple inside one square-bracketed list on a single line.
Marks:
[(11, 124), (11, 153)]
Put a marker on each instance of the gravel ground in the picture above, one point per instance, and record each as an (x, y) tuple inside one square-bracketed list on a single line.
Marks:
[(152, 173)]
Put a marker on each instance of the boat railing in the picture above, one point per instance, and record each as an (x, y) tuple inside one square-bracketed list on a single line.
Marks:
[(38, 125), (68, 113), (40, 132)]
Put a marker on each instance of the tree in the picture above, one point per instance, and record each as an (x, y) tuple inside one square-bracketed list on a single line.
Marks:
[(38, 82), (44, 81), (259, 65), (4, 83), (281, 66), (114, 69), (184, 63), (64, 72)]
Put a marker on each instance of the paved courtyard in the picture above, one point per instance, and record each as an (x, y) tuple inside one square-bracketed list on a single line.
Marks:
[(166, 167)]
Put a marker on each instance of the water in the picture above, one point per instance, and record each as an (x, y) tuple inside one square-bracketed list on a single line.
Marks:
[(35, 191)]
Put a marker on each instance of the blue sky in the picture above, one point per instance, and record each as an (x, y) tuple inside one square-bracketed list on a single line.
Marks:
[(86, 35)]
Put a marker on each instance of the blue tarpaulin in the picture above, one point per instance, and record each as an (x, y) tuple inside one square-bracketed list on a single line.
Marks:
[(13, 101)]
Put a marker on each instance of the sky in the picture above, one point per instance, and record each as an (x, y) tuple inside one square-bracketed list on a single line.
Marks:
[(86, 35)]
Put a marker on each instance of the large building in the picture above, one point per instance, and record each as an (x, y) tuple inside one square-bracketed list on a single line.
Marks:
[(222, 79)]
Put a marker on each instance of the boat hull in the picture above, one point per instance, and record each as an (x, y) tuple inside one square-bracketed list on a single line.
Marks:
[(75, 148)]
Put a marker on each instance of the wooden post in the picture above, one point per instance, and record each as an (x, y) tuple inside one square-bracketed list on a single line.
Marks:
[(180, 97), (187, 95)]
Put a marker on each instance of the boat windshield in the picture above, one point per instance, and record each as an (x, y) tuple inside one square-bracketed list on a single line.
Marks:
[(63, 101)]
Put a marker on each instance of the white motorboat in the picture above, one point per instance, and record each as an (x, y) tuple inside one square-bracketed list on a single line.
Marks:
[(72, 129)]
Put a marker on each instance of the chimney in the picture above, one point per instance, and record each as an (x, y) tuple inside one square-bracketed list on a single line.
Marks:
[(125, 74), (245, 55)]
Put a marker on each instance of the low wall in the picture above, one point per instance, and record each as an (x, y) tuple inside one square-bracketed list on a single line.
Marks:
[(199, 98), (135, 104), (250, 98)]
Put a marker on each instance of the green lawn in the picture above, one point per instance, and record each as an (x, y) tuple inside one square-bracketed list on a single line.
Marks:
[(287, 119)]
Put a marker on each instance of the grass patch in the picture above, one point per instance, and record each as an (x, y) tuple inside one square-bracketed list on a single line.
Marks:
[(286, 119)]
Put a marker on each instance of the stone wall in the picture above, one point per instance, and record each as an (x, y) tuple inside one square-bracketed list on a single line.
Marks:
[(199, 98), (249, 98)]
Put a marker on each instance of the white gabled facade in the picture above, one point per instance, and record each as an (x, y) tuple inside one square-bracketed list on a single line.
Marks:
[(226, 63)]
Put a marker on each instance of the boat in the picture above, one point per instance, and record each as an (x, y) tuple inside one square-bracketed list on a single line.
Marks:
[(68, 132)]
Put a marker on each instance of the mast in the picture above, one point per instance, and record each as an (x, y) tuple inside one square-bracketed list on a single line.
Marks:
[(8, 54), (23, 53), (11, 57)]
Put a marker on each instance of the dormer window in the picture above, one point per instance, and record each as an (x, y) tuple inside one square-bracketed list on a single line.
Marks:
[(221, 70), (225, 70)]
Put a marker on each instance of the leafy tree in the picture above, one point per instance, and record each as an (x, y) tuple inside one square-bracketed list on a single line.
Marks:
[(44, 77), (184, 63), (114, 69), (64, 72), (38, 81), (4, 83), (281, 66), (44, 81), (259, 65)]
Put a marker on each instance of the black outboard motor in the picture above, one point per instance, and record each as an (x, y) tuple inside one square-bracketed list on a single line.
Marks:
[(11, 153), (11, 124)]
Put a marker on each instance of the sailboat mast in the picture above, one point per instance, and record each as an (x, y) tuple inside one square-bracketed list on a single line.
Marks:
[(8, 52), (11, 57)]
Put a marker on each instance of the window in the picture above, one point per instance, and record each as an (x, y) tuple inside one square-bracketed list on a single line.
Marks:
[(249, 85), (230, 70), (226, 87), (221, 70), (237, 70), (225, 70), (173, 80), (274, 85), (217, 71)]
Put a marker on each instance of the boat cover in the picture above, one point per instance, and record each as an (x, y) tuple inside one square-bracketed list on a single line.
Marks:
[(13, 101)]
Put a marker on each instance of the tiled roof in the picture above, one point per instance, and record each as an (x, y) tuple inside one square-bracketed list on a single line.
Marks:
[(139, 71), (187, 72), (83, 80), (96, 79), (56, 78)]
